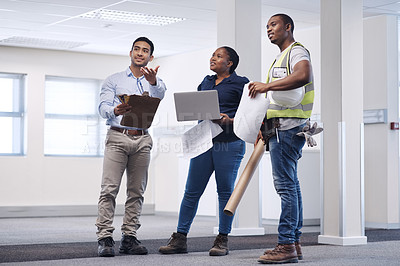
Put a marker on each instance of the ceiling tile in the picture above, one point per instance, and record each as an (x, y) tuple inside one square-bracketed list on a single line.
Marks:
[(163, 8), (379, 11), (391, 7), (59, 20), (31, 17), (90, 4), (377, 3), (43, 8), (312, 6)]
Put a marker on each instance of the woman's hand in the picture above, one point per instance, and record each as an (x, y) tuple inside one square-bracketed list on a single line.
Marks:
[(224, 120)]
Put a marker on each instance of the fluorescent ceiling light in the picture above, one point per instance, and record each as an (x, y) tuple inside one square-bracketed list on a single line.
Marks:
[(130, 17), (40, 43)]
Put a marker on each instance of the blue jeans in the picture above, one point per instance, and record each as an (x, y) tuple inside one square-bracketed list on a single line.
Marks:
[(224, 158), (284, 158)]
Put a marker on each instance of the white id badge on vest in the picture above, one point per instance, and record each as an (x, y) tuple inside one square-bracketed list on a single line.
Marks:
[(279, 72)]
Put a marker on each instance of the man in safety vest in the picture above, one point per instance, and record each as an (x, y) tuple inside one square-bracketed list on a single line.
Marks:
[(289, 88)]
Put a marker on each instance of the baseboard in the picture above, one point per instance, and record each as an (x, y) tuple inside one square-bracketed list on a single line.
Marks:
[(342, 241), (372, 225), (306, 222), (59, 211), (256, 231)]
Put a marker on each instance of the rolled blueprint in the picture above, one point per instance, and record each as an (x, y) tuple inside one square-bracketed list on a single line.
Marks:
[(245, 178)]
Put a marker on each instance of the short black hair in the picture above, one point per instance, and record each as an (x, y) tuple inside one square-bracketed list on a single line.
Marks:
[(233, 56), (144, 39), (286, 19)]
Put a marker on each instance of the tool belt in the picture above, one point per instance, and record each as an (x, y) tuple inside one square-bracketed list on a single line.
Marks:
[(268, 130)]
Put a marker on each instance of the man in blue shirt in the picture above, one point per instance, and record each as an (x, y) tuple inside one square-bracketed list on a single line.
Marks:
[(127, 149)]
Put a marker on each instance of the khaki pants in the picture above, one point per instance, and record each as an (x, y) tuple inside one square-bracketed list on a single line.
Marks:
[(130, 153)]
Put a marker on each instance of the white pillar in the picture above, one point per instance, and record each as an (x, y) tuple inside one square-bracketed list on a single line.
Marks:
[(381, 144), (342, 220), (239, 26)]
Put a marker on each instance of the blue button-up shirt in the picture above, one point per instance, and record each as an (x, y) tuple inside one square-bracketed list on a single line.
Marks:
[(125, 83), (230, 92)]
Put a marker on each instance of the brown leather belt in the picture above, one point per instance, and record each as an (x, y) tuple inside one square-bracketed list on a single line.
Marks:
[(130, 132)]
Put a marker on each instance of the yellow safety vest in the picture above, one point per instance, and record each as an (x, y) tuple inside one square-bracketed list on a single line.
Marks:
[(302, 110)]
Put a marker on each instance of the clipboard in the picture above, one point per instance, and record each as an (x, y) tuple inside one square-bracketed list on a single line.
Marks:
[(143, 110)]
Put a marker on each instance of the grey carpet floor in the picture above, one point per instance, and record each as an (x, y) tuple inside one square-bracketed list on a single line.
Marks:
[(59, 251)]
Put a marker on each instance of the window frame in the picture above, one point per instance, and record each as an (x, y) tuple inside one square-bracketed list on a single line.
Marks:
[(20, 141), (89, 117)]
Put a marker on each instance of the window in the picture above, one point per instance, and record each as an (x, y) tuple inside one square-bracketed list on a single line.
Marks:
[(12, 108), (72, 125)]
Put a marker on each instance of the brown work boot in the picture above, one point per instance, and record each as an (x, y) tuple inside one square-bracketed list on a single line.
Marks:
[(176, 244), (283, 253), (298, 250), (220, 247)]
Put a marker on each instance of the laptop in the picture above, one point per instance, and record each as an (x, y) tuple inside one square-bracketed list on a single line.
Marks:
[(197, 105)]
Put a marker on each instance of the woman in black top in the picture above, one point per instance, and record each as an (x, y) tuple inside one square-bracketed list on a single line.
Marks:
[(223, 158)]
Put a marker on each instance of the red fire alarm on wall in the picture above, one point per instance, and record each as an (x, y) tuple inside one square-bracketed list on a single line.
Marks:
[(394, 125)]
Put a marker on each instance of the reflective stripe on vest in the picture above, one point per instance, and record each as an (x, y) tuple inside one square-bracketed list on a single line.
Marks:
[(302, 110)]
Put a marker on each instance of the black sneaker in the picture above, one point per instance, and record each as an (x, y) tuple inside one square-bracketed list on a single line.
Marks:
[(106, 247), (130, 245)]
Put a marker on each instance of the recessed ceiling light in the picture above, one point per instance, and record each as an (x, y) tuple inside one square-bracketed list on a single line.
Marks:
[(40, 43), (130, 17)]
